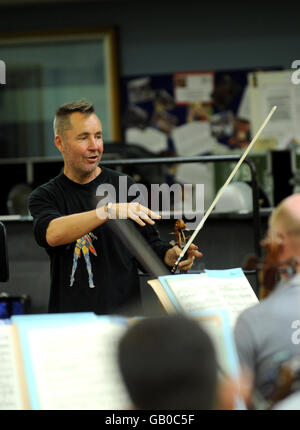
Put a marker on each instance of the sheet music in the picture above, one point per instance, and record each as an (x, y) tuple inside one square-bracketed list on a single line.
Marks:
[(10, 393), (76, 368), (203, 293), (216, 323), (214, 326)]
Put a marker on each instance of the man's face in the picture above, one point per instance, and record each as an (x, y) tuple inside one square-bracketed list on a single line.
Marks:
[(279, 236), (82, 145)]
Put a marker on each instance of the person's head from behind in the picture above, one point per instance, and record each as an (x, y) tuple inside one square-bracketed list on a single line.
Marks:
[(284, 227), (78, 136), (169, 363)]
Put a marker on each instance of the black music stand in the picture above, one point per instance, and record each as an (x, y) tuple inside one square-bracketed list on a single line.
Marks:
[(138, 247), (4, 265), (151, 263)]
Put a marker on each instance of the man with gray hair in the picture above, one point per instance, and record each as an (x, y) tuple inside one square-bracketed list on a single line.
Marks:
[(91, 270)]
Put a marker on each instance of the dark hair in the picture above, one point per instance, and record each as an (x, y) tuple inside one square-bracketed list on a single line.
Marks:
[(61, 120), (169, 363)]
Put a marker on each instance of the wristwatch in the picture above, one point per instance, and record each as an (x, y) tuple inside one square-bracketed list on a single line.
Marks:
[(107, 208)]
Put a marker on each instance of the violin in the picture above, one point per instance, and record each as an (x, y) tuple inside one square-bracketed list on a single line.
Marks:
[(180, 227), (181, 239), (287, 380), (271, 268)]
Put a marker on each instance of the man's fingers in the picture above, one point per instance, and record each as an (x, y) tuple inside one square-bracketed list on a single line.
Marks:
[(193, 250), (140, 217), (195, 253), (136, 218), (135, 211), (143, 213), (154, 215), (149, 212), (186, 264)]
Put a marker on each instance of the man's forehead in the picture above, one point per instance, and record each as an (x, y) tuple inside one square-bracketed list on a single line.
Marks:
[(80, 120)]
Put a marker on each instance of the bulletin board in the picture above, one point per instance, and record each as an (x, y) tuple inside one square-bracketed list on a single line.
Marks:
[(191, 114), (171, 104)]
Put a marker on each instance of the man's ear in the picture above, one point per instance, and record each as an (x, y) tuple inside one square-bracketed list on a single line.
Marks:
[(59, 143)]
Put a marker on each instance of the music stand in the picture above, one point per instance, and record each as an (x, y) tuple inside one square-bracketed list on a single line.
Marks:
[(138, 247), (4, 265)]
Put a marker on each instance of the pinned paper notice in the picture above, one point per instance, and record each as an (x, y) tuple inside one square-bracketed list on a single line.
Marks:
[(193, 87), (193, 138), (149, 138)]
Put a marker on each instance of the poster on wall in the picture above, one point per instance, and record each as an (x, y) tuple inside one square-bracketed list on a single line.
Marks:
[(193, 87), (270, 88)]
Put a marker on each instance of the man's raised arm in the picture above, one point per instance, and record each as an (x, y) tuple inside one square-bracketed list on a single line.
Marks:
[(69, 228)]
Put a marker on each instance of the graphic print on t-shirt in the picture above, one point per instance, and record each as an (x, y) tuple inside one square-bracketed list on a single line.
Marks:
[(84, 245)]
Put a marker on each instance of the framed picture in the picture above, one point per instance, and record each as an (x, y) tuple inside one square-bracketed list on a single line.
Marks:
[(47, 69)]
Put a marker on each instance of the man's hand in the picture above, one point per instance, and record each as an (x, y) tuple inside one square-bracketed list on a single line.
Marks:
[(135, 211), (173, 253)]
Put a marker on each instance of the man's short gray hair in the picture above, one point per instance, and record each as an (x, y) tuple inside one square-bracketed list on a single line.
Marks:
[(62, 114)]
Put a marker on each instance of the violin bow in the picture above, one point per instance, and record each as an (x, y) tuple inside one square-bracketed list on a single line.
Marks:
[(220, 192)]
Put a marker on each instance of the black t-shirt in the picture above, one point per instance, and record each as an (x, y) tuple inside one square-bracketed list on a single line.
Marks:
[(96, 273)]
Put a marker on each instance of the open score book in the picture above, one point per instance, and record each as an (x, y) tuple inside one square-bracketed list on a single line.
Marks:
[(68, 361), (61, 361), (213, 289)]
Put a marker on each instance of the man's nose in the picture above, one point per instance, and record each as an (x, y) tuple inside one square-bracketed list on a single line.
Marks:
[(94, 143)]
